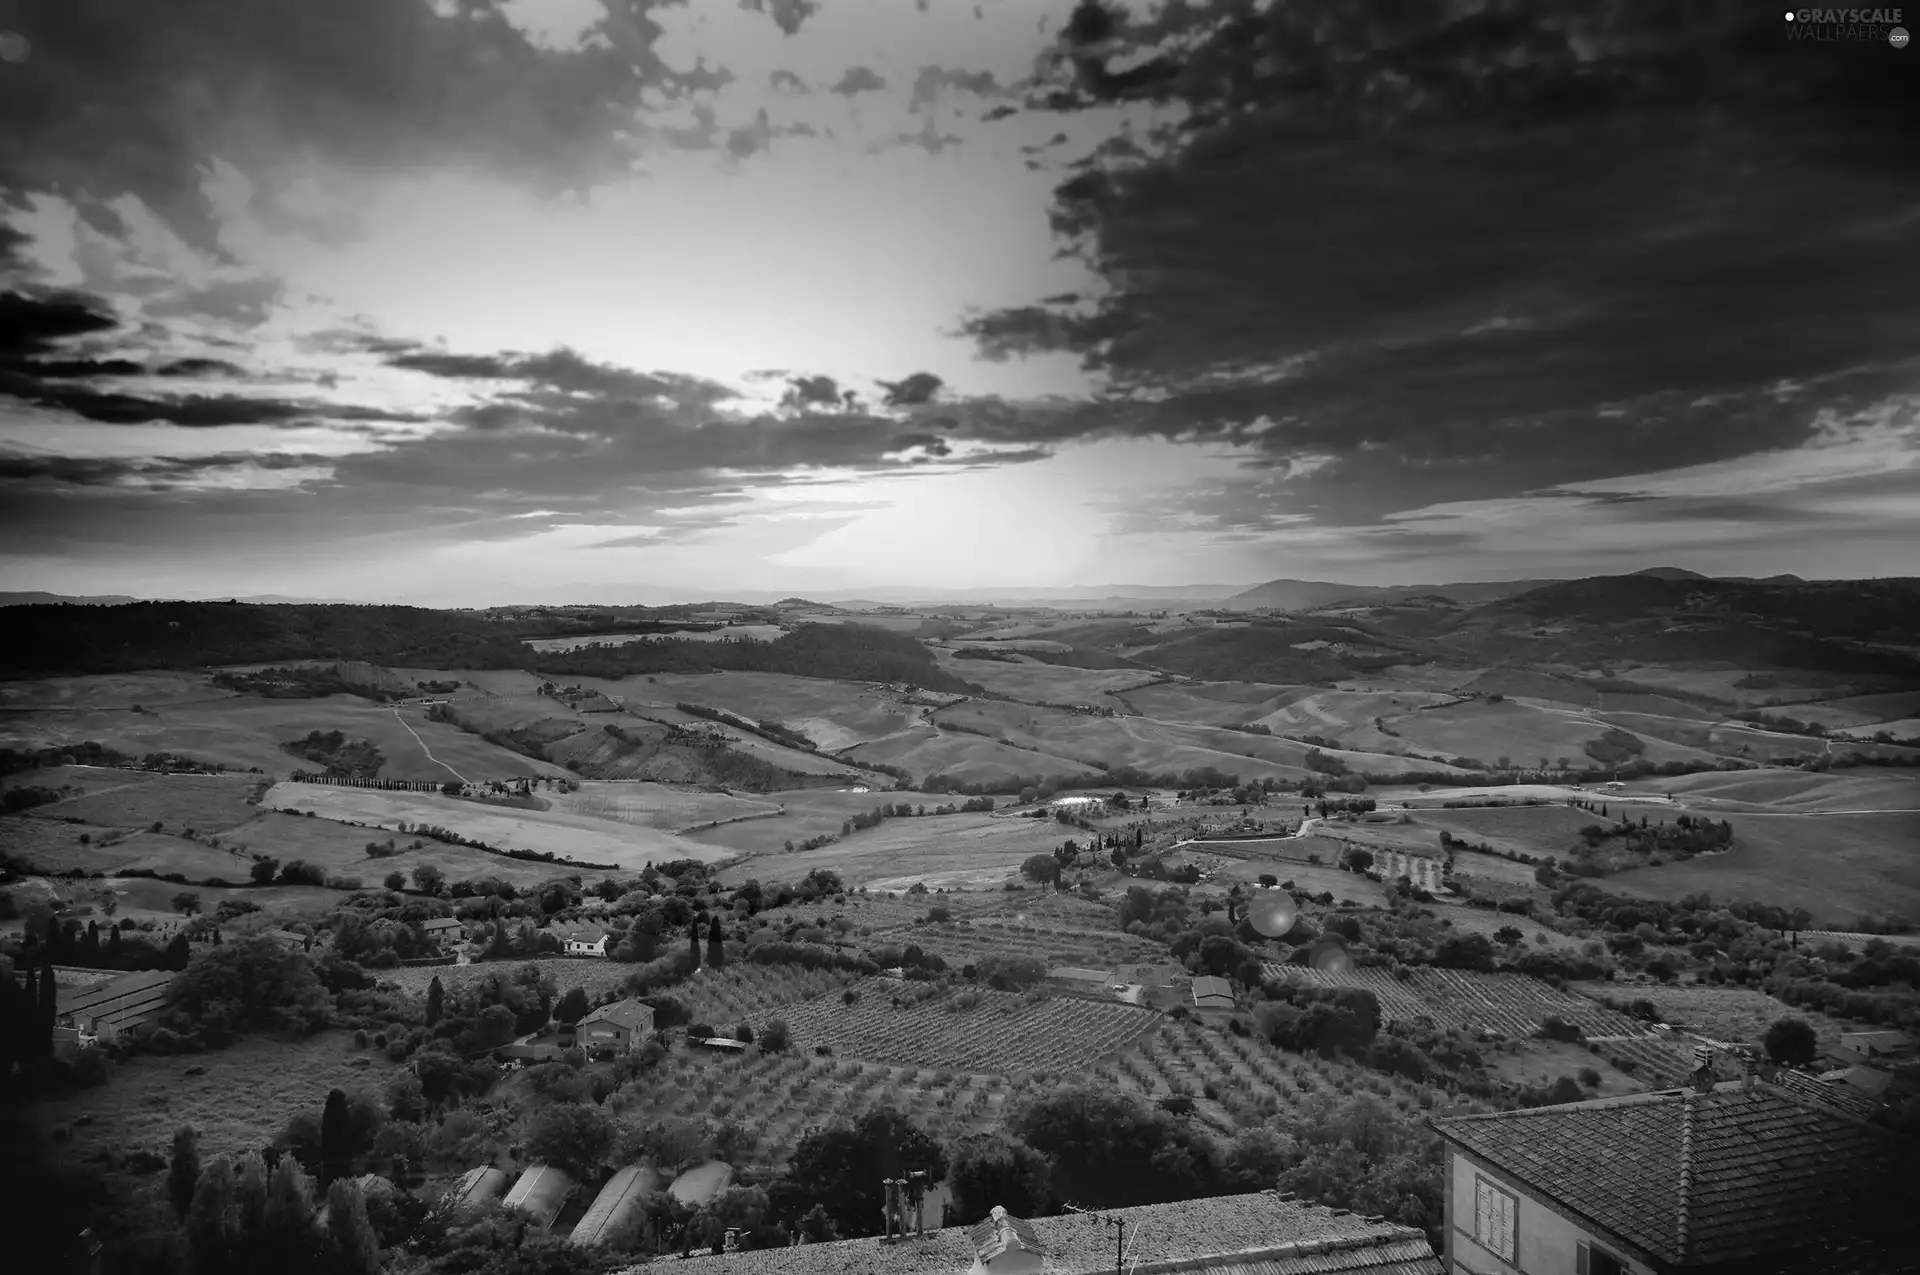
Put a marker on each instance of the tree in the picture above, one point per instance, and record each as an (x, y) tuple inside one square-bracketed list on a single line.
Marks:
[(573, 1006), (336, 1155), (213, 1217), (183, 1170), (693, 941), (396, 880), (775, 1037), (428, 879), (716, 953), (575, 1137), (349, 1234), (989, 1170), (436, 1002), (840, 1169), (1359, 860), (1508, 935), (1042, 868), (256, 984), (1791, 1042), (49, 1010), (264, 870), (187, 903)]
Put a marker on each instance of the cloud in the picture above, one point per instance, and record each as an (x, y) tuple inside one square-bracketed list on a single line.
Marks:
[(121, 98), (914, 391), (1469, 255), (788, 15), (858, 80)]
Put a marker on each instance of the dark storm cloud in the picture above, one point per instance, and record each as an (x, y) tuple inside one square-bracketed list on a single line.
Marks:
[(561, 369), (93, 471), (37, 366), (859, 80), (788, 15), (913, 391), (122, 98), (1468, 255)]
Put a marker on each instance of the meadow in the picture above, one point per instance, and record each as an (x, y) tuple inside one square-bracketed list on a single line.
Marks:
[(205, 803), (1837, 866), (651, 805), (238, 1099), (576, 836), (1040, 682), (954, 851)]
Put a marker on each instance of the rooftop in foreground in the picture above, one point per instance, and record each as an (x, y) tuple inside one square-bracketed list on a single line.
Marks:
[(1263, 1233), (1765, 1171)]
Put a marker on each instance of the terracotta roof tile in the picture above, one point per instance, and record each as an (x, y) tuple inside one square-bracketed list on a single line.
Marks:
[(1256, 1234), (1766, 1170)]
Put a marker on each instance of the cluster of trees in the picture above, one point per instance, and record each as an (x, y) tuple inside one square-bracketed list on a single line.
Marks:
[(116, 947), (14, 761), (336, 754)]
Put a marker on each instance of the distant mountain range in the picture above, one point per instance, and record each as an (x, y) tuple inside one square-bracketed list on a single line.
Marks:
[(1308, 595), (1278, 595)]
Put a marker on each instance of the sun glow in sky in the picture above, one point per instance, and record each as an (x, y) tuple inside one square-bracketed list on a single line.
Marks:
[(470, 304)]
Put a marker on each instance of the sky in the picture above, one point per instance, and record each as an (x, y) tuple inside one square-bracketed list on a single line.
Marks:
[(457, 302)]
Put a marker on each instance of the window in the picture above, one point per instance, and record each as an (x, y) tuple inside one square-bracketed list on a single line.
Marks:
[(1597, 1261), (1493, 1215)]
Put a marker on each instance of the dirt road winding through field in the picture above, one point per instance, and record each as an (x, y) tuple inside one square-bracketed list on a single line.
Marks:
[(428, 751)]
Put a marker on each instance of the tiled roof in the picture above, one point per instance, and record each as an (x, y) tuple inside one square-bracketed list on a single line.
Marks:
[(1256, 1234), (1765, 1170), (630, 1014), (1077, 974)]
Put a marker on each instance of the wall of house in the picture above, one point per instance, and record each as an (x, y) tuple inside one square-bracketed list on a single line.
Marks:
[(1546, 1241)]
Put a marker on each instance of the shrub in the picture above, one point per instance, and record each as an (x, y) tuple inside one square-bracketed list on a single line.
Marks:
[(1589, 1077)]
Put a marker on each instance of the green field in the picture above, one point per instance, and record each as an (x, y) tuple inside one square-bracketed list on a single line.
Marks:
[(1837, 866), (244, 731), (205, 803), (968, 758), (574, 836), (972, 851)]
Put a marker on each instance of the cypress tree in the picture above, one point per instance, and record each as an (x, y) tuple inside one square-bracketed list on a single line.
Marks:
[(693, 937), (49, 1009), (213, 1217), (356, 1249), (334, 1152), (436, 1002), (178, 953), (716, 954), (183, 1171), (90, 943), (13, 1018), (113, 942)]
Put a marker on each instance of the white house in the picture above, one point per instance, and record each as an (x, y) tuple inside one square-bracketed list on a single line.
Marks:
[(584, 942)]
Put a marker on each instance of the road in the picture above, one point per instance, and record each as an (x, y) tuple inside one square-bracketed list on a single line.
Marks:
[(428, 751)]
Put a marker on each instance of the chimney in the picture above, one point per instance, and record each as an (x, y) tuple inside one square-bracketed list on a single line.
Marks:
[(732, 1243), (1749, 1067)]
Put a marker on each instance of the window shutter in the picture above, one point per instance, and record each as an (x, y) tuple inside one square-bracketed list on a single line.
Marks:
[(1580, 1261), (1506, 1229), (1481, 1229)]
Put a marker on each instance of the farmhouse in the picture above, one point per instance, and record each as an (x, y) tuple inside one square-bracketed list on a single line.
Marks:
[(1874, 1046), (618, 1028), (541, 1193), (444, 929), (1073, 979), (110, 1007), (1264, 1233), (582, 941), (1212, 993), (1735, 1175)]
